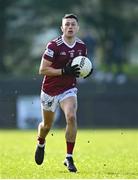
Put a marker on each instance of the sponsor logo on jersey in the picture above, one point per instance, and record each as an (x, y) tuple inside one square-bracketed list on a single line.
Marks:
[(49, 52), (63, 53)]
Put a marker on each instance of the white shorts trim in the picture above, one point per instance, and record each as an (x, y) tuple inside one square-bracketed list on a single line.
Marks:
[(50, 103)]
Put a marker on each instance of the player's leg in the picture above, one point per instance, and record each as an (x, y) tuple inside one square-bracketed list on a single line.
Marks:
[(45, 126), (43, 129), (69, 107), (48, 107)]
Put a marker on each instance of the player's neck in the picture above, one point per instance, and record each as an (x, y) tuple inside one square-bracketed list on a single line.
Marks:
[(69, 40)]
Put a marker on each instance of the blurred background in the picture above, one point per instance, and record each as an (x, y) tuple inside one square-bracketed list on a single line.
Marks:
[(109, 98)]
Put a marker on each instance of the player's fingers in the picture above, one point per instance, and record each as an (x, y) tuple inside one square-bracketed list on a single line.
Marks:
[(75, 66), (77, 69), (77, 72)]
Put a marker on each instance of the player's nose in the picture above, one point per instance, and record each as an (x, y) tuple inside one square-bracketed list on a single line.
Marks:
[(70, 26)]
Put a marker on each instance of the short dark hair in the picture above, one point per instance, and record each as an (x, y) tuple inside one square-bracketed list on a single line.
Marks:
[(70, 16)]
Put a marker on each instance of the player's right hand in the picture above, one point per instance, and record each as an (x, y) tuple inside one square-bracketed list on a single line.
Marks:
[(71, 70)]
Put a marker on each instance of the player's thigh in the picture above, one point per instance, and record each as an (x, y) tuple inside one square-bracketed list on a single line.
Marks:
[(47, 117), (69, 105)]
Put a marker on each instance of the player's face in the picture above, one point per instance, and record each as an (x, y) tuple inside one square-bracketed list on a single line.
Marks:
[(69, 27)]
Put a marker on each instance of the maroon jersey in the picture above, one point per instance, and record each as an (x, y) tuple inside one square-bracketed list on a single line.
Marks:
[(60, 53)]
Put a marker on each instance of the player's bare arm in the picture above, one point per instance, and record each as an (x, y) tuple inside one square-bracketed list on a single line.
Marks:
[(46, 69)]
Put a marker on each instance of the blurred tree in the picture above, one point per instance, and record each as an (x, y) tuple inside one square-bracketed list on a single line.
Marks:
[(21, 21), (3, 26), (14, 41), (116, 24)]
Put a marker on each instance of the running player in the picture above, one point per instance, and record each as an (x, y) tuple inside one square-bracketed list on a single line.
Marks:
[(59, 87)]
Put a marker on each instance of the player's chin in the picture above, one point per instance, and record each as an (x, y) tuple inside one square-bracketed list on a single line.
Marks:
[(69, 35)]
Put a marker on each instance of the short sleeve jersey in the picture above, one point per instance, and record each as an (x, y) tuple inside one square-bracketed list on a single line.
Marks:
[(60, 53)]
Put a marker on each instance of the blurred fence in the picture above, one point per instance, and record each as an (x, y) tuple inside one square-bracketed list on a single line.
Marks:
[(100, 105)]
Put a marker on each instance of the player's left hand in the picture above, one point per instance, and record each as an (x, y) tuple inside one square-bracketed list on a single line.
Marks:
[(71, 70), (89, 74)]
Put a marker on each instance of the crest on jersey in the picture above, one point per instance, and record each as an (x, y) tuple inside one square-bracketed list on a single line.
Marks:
[(71, 53), (80, 52)]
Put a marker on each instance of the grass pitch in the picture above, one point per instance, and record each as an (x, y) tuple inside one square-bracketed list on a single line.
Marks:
[(98, 154)]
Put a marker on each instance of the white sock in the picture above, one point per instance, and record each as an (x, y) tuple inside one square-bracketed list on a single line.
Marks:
[(68, 155), (41, 145)]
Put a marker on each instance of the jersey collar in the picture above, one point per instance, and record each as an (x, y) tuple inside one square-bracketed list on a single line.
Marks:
[(70, 46)]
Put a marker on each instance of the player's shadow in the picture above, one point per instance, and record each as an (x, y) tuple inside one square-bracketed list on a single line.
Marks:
[(120, 174), (66, 172)]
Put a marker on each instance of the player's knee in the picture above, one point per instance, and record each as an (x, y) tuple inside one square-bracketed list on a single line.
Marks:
[(71, 118)]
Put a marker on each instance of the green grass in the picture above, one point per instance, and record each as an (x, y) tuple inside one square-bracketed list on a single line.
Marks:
[(98, 154)]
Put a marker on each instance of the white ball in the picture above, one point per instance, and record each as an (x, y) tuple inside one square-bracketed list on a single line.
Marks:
[(84, 64)]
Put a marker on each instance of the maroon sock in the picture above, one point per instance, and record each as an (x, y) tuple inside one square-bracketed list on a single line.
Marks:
[(70, 147), (40, 140)]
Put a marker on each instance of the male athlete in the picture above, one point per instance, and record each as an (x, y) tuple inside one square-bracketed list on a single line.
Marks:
[(59, 87)]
